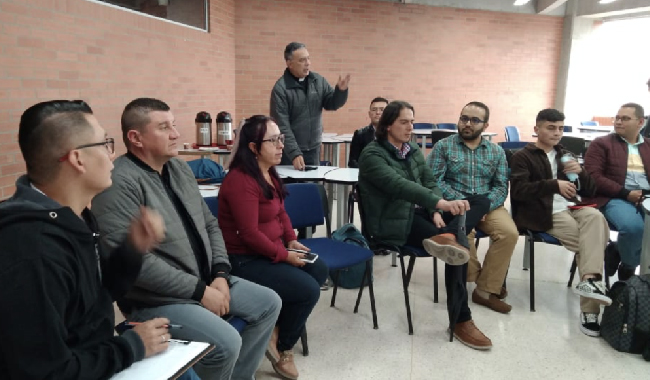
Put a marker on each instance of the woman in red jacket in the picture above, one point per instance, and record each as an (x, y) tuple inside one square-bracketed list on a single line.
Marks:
[(259, 237)]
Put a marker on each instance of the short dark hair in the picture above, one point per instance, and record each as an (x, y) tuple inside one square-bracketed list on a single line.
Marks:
[(136, 115), (47, 131), (291, 47), (388, 117), (253, 131), (379, 99), (638, 110), (480, 105), (549, 114)]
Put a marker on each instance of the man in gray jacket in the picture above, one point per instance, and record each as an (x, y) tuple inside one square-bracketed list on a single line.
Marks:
[(187, 278), (297, 103)]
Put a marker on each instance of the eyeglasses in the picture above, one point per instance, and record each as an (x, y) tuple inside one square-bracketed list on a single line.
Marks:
[(625, 118), (473, 120), (276, 140), (109, 143)]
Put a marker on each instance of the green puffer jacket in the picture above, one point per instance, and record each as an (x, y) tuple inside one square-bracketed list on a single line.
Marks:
[(391, 187)]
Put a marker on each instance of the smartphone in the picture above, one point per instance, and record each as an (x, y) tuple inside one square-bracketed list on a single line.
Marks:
[(308, 168), (310, 257)]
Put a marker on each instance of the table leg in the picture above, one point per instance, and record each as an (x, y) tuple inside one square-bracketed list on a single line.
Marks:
[(347, 153), (336, 150), (424, 145), (330, 199), (645, 246), (341, 206)]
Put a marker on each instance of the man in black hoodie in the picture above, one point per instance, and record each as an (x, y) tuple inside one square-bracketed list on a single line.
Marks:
[(56, 286)]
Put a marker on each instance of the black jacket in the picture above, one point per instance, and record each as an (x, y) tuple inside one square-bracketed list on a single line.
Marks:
[(360, 139), (57, 313)]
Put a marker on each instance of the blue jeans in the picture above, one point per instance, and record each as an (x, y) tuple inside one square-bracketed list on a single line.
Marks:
[(234, 357), (189, 375), (299, 289), (624, 218)]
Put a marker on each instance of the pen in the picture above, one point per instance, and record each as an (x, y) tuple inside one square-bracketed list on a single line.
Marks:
[(169, 326)]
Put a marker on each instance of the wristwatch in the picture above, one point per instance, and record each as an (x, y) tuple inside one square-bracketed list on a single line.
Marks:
[(225, 276)]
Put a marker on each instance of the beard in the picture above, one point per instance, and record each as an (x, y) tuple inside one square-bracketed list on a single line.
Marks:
[(471, 136)]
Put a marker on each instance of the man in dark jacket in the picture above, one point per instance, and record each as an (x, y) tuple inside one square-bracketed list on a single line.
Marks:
[(620, 165), (366, 135), (544, 198), (56, 285), (403, 205), (297, 102)]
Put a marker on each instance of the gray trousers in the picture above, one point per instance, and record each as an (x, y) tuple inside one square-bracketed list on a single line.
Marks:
[(234, 356)]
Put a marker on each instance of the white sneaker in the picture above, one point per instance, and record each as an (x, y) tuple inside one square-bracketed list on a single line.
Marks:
[(589, 324), (593, 289)]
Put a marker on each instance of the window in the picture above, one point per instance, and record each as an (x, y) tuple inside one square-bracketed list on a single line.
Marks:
[(188, 12)]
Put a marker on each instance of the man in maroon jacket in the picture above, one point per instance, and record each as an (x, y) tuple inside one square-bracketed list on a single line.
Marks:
[(619, 164)]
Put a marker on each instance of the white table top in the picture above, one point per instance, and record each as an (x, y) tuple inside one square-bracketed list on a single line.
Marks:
[(331, 140), (343, 175), (209, 190), (329, 134), (204, 151), (598, 128), (287, 171), (344, 138), (646, 205), (427, 132), (586, 136)]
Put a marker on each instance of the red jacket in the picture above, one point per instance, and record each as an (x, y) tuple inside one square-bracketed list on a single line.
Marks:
[(250, 223), (606, 163)]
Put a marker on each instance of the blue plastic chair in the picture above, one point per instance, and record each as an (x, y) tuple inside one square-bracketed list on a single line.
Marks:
[(568, 128), (589, 123), (512, 133), (307, 206), (451, 126), (424, 126), (533, 237), (513, 144)]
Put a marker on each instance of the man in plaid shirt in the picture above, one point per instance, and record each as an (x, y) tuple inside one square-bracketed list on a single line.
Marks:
[(466, 165)]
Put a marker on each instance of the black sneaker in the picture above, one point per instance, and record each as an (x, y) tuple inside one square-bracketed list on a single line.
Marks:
[(589, 324)]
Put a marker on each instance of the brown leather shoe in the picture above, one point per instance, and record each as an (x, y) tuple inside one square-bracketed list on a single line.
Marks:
[(285, 367), (493, 302), (468, 334), (446, 248), (272, 349)]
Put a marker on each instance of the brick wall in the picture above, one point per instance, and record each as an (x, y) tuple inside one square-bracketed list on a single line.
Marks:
[(76, 49), (436, 58)]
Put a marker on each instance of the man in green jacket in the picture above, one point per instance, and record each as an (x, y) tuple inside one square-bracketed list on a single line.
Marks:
[(404, 206), (297, 103)]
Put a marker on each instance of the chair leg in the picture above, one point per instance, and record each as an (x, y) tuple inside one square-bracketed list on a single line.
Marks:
[(351, 207), (363, 284), (527, 244), (405, 282), (394, 259), (532, 273), (371, 291), (303, 341), (336, 286), (435, 280), (572, 271)]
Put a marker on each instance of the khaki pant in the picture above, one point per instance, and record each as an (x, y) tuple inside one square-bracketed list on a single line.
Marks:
[(585, 232), (500, 227)]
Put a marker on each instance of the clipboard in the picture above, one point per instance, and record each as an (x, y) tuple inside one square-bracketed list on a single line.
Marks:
[(167, 365)]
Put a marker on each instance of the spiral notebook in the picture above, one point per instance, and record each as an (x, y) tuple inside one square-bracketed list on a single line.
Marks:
[(170, 364)]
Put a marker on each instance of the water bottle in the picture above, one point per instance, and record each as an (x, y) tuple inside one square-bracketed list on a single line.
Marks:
[(568, 157)]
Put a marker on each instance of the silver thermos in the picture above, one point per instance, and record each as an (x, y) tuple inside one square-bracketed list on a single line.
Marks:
[(224, 129), (203, 129)]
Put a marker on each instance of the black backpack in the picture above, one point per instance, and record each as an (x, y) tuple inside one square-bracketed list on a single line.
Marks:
[(351, 277), (626, 322)]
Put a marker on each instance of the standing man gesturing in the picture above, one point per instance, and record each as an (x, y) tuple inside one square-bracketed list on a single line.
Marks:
[(297, 102)]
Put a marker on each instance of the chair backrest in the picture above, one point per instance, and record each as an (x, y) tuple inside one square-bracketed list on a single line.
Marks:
[(424, 126), (568, 128), (512, 133), (304, 205), (575, 145), (447, 126), (213, 204), (589, 123), (439, 134)]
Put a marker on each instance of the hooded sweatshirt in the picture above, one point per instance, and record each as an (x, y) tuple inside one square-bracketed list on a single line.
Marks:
[(56, 291)]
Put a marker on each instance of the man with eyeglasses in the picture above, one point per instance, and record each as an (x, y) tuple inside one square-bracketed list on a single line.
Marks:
[(56, 284), (366, 135), (297, 102), (620, 163), (187, 278), (467, 165)]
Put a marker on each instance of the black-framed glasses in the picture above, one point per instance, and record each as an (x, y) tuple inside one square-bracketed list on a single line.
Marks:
[(473, 120), (624, 118), (109, 143), (276, 140)]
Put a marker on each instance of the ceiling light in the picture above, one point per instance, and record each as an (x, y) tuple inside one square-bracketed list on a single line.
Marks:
[(521, 2)]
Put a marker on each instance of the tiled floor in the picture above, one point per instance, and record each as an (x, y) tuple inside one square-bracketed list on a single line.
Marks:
[(546, 344)]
